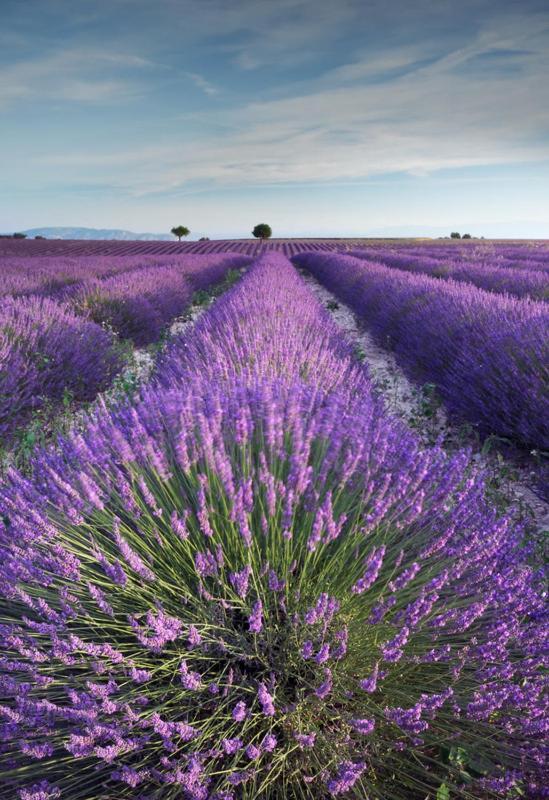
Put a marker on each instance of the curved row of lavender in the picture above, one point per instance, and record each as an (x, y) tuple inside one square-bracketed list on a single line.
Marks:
[(47, 351), (518, 282), (487, 354), (51, 346), (253, 583)]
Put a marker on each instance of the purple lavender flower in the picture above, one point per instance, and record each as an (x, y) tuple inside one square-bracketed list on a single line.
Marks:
[(347, 775), (307, 650), (266, 701), (269, 743), (305, 740), (364, 726), (253, 752), (190, 680), (239, 581), (194, 638), (240, 711), (255, 620), (230, 746)]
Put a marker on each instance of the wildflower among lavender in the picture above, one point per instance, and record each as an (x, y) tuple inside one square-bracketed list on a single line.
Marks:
[(194, 684)]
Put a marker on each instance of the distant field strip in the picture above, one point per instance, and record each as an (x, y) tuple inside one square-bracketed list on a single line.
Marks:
[(32, 247)]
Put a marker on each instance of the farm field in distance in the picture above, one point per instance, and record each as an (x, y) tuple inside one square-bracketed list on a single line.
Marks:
[(273, 519)]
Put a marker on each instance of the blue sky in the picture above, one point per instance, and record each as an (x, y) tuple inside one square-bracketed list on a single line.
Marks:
[(353, 117)]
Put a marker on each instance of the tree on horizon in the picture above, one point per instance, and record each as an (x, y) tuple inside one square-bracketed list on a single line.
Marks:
[(179, 231), (262, 231)]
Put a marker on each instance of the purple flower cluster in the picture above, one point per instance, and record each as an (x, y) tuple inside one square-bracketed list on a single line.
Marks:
[(168, 628), (487, 354)]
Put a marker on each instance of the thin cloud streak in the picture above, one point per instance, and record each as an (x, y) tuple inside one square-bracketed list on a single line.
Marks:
[(72, 74)]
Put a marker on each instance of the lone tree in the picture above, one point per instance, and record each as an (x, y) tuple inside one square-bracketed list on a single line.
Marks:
[(455, 235), (262, 231), (179, 231), (466, 236)]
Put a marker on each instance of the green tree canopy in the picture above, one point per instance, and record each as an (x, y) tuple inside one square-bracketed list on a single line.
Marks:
[(179, 231), (262, 231)]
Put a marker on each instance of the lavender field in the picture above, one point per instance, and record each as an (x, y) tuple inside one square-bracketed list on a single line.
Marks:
[(251, 574)]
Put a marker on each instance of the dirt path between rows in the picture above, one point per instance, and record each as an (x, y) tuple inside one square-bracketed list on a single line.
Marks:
[(418, 408)]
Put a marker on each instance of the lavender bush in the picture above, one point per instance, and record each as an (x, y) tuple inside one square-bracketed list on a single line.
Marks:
[(253, 583), (487, 354), (46, 351)]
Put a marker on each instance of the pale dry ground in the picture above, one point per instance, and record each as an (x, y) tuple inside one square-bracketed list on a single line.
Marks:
[(408, 402)]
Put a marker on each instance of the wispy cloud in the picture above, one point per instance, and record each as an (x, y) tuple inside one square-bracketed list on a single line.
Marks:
[(203, 84), (429, 116), (72, 74)]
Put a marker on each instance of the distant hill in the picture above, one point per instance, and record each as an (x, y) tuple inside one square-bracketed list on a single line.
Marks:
[(95, 233)]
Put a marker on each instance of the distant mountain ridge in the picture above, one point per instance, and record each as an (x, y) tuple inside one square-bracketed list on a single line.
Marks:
[(96, 233)]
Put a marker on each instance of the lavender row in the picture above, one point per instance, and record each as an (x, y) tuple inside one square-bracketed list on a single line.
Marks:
[(60, 276), (138, 304), (518, 282), (49, 275), (46, 353), (487, 354), (253, 583), (524, 256)]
